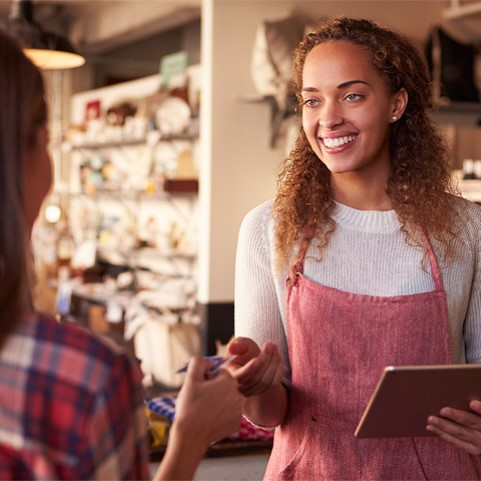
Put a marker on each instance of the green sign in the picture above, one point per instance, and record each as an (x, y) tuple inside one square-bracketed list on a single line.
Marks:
[(171, 66)]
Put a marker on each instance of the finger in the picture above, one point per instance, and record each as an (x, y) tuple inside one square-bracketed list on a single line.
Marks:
[(462, 417), (460, 436), (223, 375), (475, 405), (269, 362), (262, 372), (238, 346), (255, 368), (197, 368), (272, 377)]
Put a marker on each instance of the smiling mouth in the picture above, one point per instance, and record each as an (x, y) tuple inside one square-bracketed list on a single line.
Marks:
[(338, 141)]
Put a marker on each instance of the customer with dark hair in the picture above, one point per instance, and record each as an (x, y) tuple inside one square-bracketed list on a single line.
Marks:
[(71, 406)]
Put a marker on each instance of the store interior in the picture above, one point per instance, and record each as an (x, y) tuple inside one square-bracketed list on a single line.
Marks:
[(172, 129)]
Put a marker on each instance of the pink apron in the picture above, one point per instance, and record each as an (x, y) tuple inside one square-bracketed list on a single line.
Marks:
[(339, 343)]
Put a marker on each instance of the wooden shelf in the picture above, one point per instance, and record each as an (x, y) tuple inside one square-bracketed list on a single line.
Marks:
[(470, 189), (461, 113), (135, 141)]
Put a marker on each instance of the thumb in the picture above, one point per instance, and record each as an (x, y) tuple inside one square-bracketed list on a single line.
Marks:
[(244, 348), (197, 368), (238, 346)]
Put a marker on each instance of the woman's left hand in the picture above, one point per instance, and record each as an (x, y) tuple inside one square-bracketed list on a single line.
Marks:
[(460, 428)]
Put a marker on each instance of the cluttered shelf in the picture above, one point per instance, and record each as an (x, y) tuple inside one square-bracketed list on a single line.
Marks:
[(460, 113), (470, 188), (152, 138)]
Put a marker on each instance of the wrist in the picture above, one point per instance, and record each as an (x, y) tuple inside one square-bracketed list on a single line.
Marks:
[(185, 450)]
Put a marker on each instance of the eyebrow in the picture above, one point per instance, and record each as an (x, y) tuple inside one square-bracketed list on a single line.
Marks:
[(340, 86), (351, 82)]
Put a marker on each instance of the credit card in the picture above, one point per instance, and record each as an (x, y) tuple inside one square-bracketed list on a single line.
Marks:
[(218, 361)]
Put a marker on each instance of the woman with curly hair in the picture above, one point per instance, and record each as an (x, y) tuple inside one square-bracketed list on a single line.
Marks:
[(365, 258)]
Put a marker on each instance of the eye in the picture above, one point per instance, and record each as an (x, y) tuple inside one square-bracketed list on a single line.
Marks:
[(310, 102), (353, 97)]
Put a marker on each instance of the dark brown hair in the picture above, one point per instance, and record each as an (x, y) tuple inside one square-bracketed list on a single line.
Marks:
[(23, 110), (420, 173)]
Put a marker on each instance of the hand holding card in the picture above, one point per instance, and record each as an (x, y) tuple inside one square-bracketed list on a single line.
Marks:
[(218, 361)]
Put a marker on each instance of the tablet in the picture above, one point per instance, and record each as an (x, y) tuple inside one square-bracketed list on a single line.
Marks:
[(406, 395)]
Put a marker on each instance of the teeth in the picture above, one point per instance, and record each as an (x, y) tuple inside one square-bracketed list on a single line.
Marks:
[(338, 141)]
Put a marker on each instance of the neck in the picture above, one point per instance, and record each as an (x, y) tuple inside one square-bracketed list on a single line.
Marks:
[(360, 193)]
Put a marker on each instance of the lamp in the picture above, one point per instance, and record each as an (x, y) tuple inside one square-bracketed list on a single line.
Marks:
[(46, 50)]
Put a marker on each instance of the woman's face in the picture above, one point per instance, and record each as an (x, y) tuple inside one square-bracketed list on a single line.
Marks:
[(37, 175), (347, 109)]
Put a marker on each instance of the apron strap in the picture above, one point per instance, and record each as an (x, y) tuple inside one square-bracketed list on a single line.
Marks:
[(298, 266), (435, 270)]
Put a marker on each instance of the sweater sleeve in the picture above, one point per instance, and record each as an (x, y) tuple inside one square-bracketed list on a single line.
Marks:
[(258, 306), (472, 323)]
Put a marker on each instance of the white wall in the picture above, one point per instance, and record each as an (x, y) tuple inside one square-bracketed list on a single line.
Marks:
[(242, 167)]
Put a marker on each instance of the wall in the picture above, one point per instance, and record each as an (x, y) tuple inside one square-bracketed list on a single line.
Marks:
[(242, 166)]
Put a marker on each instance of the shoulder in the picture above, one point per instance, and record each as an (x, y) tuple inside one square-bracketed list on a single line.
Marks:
[(259, 216), (72, 353), (81, 390), (467, 216), (256, 232), (463, 205)]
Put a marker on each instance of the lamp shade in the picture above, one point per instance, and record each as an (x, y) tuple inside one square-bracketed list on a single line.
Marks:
[(47, 50)]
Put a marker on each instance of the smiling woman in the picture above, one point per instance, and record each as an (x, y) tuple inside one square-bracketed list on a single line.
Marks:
[(346, 117), (382, 263)]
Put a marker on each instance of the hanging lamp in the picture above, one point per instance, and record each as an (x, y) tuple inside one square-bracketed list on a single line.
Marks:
[(47, 50)]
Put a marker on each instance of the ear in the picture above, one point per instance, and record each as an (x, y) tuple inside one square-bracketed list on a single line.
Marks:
[(399, 103)]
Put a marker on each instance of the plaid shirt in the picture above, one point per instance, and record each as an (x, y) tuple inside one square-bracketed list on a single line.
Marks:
[(71, 407)]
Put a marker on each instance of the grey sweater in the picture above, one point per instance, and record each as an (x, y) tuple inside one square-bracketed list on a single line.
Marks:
[(367, 254)]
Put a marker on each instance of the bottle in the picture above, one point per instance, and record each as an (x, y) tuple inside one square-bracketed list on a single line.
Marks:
[(65, 247), (64, 292), (468, 169), (477, 169)]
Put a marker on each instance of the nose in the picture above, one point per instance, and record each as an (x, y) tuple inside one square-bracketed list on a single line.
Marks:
[(330, 116)]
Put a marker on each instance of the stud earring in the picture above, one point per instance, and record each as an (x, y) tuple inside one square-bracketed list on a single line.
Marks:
[(394, 118)]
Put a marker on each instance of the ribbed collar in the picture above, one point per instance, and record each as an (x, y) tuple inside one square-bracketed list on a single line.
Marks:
[(372, 221)]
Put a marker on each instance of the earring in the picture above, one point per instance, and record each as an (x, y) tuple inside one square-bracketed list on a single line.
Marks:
[(394, 118)]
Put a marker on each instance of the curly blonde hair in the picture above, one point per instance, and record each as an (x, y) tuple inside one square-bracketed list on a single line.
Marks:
[(420, 175)]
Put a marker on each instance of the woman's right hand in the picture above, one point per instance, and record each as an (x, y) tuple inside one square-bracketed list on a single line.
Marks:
[(206, 409), (210, 408), (257, 371)]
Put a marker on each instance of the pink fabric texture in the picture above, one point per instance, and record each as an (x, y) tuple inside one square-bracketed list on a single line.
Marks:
[(339, 343)]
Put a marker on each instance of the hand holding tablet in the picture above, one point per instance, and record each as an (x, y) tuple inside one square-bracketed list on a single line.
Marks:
[(407, 395)]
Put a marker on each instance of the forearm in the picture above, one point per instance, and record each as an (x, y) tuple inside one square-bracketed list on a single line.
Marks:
[(182, 456), (268, 409)]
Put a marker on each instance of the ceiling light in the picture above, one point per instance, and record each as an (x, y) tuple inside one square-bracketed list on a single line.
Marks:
[(47, 50)]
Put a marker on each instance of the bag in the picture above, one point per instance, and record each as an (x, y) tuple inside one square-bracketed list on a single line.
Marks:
[(272, 56), (163, 348)]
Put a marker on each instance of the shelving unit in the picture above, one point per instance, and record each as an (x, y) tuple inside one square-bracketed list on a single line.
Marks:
[(459, 113), (135, 195), (129, 189), (470, 189)]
